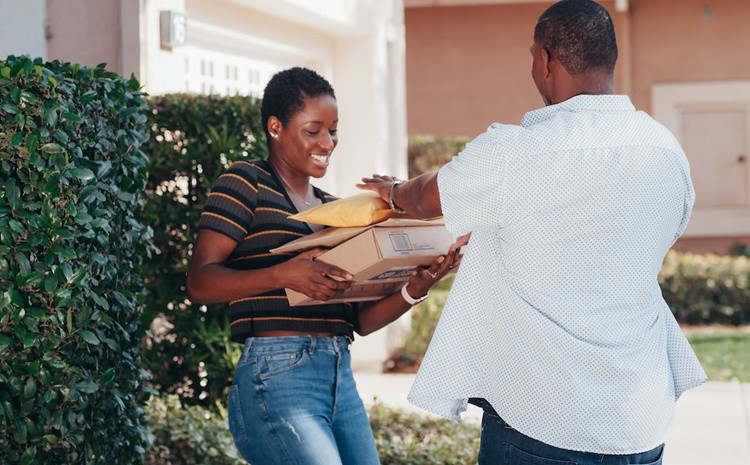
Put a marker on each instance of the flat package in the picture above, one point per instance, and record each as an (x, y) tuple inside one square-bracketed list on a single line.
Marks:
[(381, 257)]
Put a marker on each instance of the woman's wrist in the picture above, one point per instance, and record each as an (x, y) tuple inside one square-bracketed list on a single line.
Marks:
[(413, 295)]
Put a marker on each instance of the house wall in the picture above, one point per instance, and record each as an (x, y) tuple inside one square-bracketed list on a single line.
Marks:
[(469, 66)]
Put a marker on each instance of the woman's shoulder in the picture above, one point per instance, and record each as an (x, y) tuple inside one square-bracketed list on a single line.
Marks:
[(258, 169)]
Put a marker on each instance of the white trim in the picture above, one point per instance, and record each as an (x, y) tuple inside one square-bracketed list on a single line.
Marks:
[(668, 99), (209, 34)]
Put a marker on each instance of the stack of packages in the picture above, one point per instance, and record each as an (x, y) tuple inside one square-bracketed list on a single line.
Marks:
[(377, 246)]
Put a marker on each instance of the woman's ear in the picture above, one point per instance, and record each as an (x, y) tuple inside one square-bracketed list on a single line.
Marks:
[(274, 127)]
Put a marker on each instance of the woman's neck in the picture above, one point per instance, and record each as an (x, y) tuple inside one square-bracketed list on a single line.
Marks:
[(298, 181)]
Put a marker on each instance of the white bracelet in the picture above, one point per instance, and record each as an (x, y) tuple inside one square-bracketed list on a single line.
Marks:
[(409, 299)]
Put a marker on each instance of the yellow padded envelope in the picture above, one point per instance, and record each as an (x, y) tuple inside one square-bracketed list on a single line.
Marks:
[(359, 210)]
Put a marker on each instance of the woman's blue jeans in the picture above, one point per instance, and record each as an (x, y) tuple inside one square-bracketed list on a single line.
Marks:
[(503, 445), (294, 401)]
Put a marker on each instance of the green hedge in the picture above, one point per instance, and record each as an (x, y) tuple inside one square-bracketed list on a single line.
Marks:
[(707, 289), (427, 153), (413, 439), (193, 139), (72, 247), (193, 435), (700, 289), (184, 434)]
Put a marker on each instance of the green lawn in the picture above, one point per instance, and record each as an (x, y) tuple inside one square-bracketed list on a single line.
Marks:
[(723, 351)]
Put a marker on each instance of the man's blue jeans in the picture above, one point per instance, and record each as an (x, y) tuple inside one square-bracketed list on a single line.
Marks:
[(503, 445), (294, 401)]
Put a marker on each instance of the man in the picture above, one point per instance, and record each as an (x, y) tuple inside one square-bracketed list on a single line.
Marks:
[(556, 322)]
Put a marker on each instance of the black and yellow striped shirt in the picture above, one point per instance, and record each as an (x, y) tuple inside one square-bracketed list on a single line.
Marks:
[(249, 204)]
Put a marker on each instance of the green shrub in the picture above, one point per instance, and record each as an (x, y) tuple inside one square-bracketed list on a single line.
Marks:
[(427, 153), (193, 435), (189, 434), (707, 289), (193, 139), (700, 289), (72, 247), (414, 439)]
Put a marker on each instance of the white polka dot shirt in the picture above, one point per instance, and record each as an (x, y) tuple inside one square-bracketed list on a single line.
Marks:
[(556, 316)]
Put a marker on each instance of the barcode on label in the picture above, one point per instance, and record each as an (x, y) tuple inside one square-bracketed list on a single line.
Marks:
[(401, 242)]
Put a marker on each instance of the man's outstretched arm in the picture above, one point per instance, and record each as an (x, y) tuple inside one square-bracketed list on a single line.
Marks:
[(419, 196)]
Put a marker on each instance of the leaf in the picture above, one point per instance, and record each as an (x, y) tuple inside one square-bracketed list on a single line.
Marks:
[(23, 263), (88, 387), (50, 283), (88, 96), (52, 148), (16, 297), (32, 142), (16, 139), (82, 173), (29, 389), (50, 116), (89, 337), (9, 108)]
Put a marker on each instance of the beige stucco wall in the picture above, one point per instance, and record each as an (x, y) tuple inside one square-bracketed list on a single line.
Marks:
[(688, 40), (84, 31), (468, 66)]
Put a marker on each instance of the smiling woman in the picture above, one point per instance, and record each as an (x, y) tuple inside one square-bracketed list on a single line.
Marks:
[(293, 397)]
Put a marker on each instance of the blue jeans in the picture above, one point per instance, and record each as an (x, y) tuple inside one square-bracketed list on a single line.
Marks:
[(294, 401), (503, 445)]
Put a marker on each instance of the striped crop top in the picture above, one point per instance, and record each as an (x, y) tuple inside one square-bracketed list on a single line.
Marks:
[(249, 204)]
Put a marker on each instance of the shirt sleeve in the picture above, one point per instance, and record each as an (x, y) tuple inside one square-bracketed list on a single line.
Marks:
[(689, 199), (471, 186), (230, 206)]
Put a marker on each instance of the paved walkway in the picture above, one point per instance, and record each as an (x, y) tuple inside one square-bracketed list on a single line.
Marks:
[(712, 424)]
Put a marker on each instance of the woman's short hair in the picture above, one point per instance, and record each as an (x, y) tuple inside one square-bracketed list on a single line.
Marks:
[(286, 92)]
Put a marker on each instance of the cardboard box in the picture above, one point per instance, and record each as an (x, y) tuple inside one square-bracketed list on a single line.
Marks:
[(380, 257)]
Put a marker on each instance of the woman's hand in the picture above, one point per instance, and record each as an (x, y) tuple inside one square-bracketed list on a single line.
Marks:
[(423, 278), (380, 184), (313, 278)]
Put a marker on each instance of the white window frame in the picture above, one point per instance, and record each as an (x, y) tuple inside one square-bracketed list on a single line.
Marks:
[(668, 99)]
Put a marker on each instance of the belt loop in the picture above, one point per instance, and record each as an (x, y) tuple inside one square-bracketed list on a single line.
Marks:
[(311, 350), (246, 353)]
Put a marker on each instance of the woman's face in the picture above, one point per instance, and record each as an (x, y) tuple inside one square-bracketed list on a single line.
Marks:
[(306, 142)]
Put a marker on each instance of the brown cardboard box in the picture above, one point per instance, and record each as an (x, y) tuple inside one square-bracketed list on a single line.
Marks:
[(380, 257)]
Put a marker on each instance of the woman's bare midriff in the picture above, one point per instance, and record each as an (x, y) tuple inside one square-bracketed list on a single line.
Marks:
[(291, 333)]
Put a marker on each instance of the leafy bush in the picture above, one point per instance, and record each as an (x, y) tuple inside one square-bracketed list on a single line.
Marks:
[(72, 247), (700, 289), (707, 289), (193, 139), (413, 439), (427, 153), (189, 434), (193, 435)]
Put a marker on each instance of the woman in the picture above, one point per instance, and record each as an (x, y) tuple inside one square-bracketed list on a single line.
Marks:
[(293, 398)]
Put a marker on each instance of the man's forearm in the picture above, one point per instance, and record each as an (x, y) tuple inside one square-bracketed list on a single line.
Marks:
[(419, 197)]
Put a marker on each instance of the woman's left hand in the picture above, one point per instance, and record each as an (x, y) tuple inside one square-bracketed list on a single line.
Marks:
[(423, 278)]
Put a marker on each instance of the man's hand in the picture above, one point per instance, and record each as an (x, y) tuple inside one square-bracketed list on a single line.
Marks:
[(423, 278), (380, 184), (419, 197)]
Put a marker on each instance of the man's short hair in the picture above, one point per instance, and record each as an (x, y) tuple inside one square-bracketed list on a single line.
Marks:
[(580, 34)]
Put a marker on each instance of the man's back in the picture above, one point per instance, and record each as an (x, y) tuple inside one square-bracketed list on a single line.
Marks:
[(557, 300)]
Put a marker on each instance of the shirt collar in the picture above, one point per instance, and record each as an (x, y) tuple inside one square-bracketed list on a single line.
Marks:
[(596, 103)]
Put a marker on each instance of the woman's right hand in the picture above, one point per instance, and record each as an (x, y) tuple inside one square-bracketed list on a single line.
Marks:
[(313, 278)]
